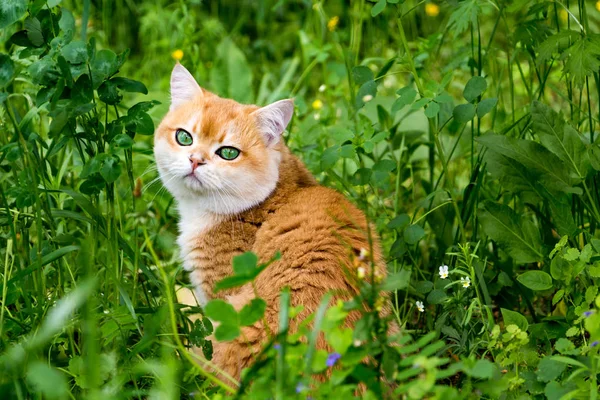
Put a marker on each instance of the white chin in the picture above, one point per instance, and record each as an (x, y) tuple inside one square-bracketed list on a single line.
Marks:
[(193, 183)]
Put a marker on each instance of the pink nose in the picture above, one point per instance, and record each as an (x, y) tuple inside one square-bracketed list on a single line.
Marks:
[(196, 162)]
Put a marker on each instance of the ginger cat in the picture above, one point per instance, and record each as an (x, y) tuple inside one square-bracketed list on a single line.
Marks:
[(239, 188)]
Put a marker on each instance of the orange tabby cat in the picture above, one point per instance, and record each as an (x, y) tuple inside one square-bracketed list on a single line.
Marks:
[(239, 188)]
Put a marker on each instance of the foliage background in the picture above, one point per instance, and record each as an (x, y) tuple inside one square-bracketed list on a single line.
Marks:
[(465, 130)]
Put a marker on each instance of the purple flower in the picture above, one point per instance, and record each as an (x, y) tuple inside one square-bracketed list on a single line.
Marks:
[(277, 346), (594, 343), (588, 313), (332, 358), (300, 387)]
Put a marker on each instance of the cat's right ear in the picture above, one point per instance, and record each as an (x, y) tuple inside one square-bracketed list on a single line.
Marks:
[(183, 86)]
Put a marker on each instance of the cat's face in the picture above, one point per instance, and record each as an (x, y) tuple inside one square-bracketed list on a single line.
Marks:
[(216, 154)]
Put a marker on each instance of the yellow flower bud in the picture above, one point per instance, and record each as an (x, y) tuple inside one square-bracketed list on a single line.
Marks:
[(317, 104), (332, 23), (177, 54), (432, 10)]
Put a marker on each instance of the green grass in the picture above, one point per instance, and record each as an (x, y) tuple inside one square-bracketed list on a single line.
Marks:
[(465, 131)]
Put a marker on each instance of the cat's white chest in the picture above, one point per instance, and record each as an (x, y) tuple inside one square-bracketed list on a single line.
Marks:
[(192, 225)]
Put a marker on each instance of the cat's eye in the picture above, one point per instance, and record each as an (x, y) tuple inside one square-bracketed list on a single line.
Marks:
[(228, 153), (183, 137)]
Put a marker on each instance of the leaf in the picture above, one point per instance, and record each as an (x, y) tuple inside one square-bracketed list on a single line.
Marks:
[(582, 58), (463, 113), (129, 85), (432, 110), (11, 11), (104, 65), (413, 234), (464, 15), (560, 138), (474, 88), (111, 169), (424, 286), (34, 31), (407, 96), (542, 165), (109, 94), (252, 312), (367, 89), (560, 269), (536, 280), (396, 281), (436, 296), (502, 224), (361, 74), (565, 346), (399, 222), (485, 106), (329, 157), (227, 332), (7, 70), (483, 369), (219, 310), (75, 52), (549, 369), (231, 75), (245, 264), (514, 318), (122, 141), (47, 381), (378, 8)]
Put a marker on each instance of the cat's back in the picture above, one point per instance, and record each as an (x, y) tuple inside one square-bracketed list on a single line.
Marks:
[(314, 221)]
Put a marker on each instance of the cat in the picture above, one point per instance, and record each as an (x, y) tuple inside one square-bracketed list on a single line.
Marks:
[(239, 188)]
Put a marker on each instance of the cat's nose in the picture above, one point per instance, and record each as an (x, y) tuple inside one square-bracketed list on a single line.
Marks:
[(196, 161)]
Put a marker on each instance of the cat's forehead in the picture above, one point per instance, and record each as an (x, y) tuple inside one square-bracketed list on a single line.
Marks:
[(213, 117)]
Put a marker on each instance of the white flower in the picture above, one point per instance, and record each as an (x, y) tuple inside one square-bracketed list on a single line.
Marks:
[(317, 116), (357, 343), (444, 271), (322, 88), (367, 98), (362, 272), (364, 253), (420, 306), (466, 282)]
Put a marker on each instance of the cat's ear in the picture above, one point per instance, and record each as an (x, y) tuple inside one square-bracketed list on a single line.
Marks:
[(183, 86), (274, 118)]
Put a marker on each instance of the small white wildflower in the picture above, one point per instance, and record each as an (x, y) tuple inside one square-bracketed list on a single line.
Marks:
[(357, 343), (466, 282), (317, 116), (364, 253), (361, 272), (443, 271), (420, 306), (367, 98), (322, 88)]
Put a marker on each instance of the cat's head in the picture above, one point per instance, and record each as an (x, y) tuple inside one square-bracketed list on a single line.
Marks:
[(216, 154)]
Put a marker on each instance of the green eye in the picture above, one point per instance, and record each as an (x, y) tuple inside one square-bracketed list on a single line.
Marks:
[(183, 138), (228, 153)]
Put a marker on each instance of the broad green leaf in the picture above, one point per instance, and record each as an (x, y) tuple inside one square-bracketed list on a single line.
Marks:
[(593, 154), (560, 138), (521, 240), (582, 59), (543, 166), (396, 281), (407, 96), (565, 346), (7, 70), (483, 369), (474, 88), (252, 312), (75, 52), (436, 296), (464, 113), (34, 31), (424, 287), (47, 381), (536, 280), (245, 264), (111, 169), (330, 157), (227, 332), (378, 8), (413, 234), (361, 74), (399, 222), (485, 106), (231, 75), (432, 110), (549, 369), (129, 85), (122, 141), (109, 94), (11, 11), (560, 269), (219, 310), (368, 89), (514, 318)]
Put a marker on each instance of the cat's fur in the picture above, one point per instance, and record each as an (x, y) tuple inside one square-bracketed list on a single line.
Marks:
[(264, 201)]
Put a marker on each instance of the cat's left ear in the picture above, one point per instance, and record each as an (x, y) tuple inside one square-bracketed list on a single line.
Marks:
[(183, 86), (274, 118)]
